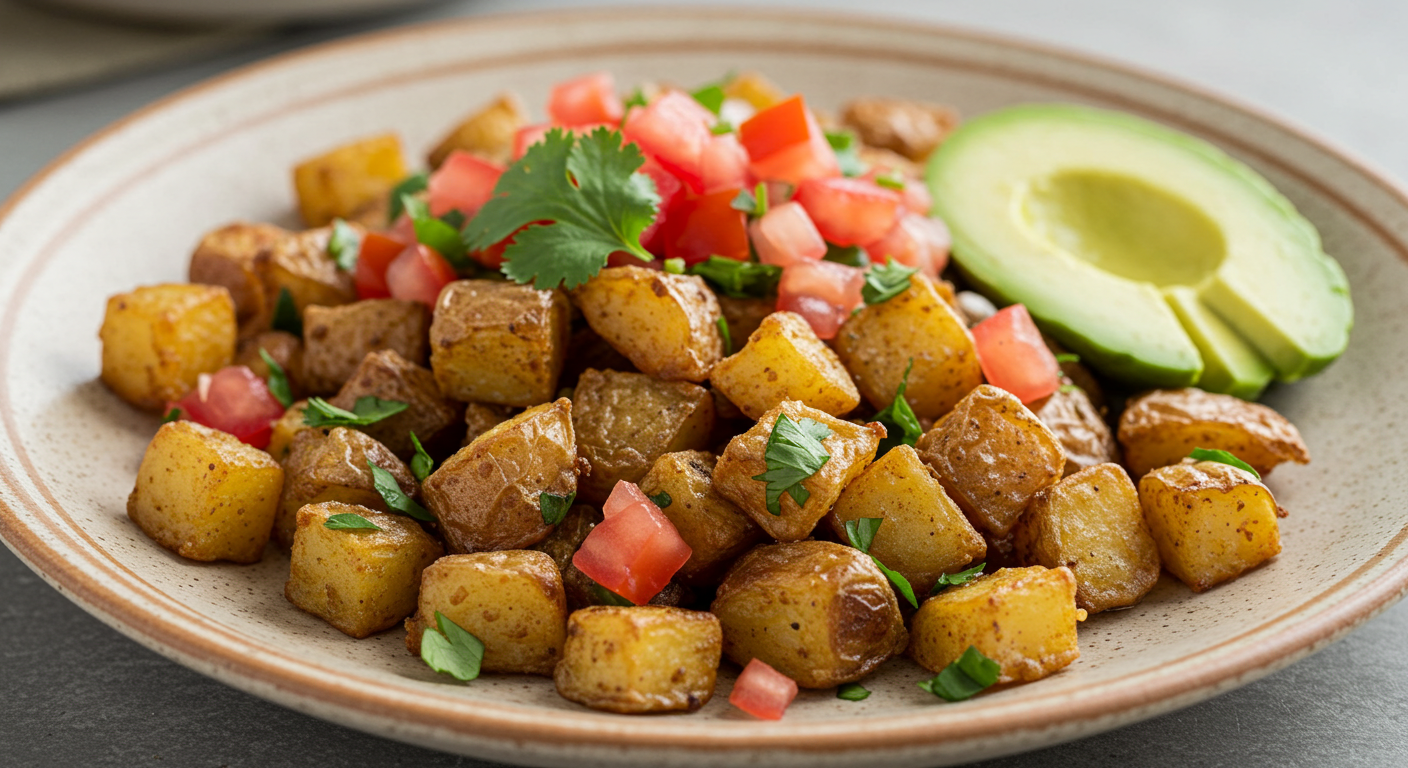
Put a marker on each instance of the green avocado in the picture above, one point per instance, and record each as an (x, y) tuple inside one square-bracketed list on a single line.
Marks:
[(1159, 259)]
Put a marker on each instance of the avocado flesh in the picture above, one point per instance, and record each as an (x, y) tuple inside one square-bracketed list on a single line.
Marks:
[(1156, 257)]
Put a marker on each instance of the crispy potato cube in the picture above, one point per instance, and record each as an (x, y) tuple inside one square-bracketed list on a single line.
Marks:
[(488, 133), (235, 256), (820, 613), (158, 339), (992, 456), (877, 344), (480, 418), (911, 128), (850, 446), (498, 342), (925, 534), (784, 360), (1092, 523), (640, 659), (716, 531), (339, 337), (285, 348), (204, 495), (487, 496), (286, 429), (744, 316), (337, 184), (1022, 618), (512, 601), (1164, 426), (387, 375), (625, 421), (333, 467), (301, 264), (664, 324), (755, 89), (1084, 435), (359, 581), (1212, 522)]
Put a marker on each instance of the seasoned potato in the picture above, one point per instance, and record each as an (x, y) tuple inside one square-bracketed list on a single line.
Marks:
[(300, 264), (1084, 435), (1091, 522), (204, 495), (911, 128), (339, 183), (487, 495), (333, 467), (285, 348), (716, 531), (925, 534), (886, 161), (877, 344), (512, 601), (664, 324), (487, 133), (1212, 522), (564, 541), (480, 418), (389, 376), (625, 421), (235, 256), (339, 337), (158, 339), (818, 612), (755, 89), (744, 316), (992, 456), (589, 350), (286, 429), (639, 659), (784, 360), (360, 581), (850, 446), (1163, 426), (498, 342)]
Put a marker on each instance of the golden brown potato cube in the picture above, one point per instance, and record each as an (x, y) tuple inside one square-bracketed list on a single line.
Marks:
[(512, 601), (744, 316), (339, 337), (285, 348), (784, 360), (487, 496), (333, 467), (639, 659), (911, 128), (1212, 522), (498, 342), (992, 456), (1022, 618), (389, 376), (301, 264), (235, 256), (337, 184), (204, 495), (755, 89), (925, 534), (159, 338), (877, 344), (286, 429), (850, 447), (1091, 522), (625, 421), (665, 324), (361, 581), (820, 613), (1084, 435), (488, 133), (480, 418), (1164, 426), (716, 531)]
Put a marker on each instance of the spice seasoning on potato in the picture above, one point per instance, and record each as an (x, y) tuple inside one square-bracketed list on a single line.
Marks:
[(301, 265), (1161, 427), (387, 375), (498, 342), (1084, 435), (338, 338), (333, 467), (158, 339), (487, 133), (911, 128), (664, 324), (640, 659), (339, 183), (716, 531), (235, 256), (784, 360)]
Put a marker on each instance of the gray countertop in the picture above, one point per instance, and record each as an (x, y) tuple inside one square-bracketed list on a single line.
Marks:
[(76, 693)]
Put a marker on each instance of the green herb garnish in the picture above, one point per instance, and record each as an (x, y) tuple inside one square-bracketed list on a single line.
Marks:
[(344, 245), (436, 233), (407, 186), (844, 142), (661, 499), (636, 99), (350, 522), (711, 96), (726, 334), (852, 692), (967, 676), (1069, 388), (172, 415), (367, 410), (554, 507), (721, 128), (794, 453), (1222, 457), (901, 424), (957, 579), (674, 266), (395, 498), (850, 255), (421, 463), (286, 317), (607, 597), (739, 279), (454, 217), (277, 380), (890, 181), (451, 650), (886, 281), (861, 533), (1068, 357), (745, 201)]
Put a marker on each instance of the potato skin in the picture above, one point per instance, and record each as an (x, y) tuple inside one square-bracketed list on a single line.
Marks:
[(487, 133), (1084, 435), (913, 129), (158, 339), (784, 360), (285, 348), (234, 256), (301, 264), (818, 612), (338, 338), (499, 343), (480, 418), (716, 531), (663, 323), (340, 182), (1162, 427), (332, 466), (640, 659), (385, 374), (286, 429), (744, 316)]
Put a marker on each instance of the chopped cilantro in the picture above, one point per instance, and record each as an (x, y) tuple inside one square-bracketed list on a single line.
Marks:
[(1070, 388), (861, 533), (794, 453), (967, 676), (367, 410), (421, 464), (852, 692), (661, 499), (890, 181), (674, 266), (844, 142), (286, 317), (450, 649), (607, 597), (636, 99), (554, 507), (720, 128), (436, 233), (726, 334), (901, 425), (1222, 457), (850, 255), (886, 281), (1068, 357), (746, 202), (739, 279), (395, 498), (407, 186), (711, 96), (349, 522), (172, 415), (344, 244), (278, 380), (957, 579), (455, 218), (760, 198)]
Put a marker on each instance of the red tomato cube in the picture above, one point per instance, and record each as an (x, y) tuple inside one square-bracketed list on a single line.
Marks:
[(823, 292), (464, 183), (785, 143), (724, 164), (916, 241), (585, 100), (1013, 355), (623, 495), (700, 227), (527, 136), (762, 691), (233, 400), (418, 274), (376, 254), (673, 129), (671, 191), (635, 550), (785, 235), (850, 211)]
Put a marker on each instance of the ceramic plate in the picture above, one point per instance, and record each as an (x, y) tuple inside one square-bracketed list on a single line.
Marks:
[(126, 207)]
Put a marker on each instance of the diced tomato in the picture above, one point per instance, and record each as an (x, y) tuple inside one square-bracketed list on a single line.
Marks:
[(916, 197), (1013, 355), (916, 241), (785, 143), (822, 292), (673, 129), (724, 164), (585, 100), (233, 400), (700, 227), (376, 254), (527, 136), (464, 183), (671, 190), (762, 691), (635, 550), (785, 235), (623, 259), (418, 274), (402, 230), (850, 211), (493, 256)]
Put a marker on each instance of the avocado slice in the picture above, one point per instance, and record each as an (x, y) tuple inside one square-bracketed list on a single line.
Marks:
[(1159, 259)]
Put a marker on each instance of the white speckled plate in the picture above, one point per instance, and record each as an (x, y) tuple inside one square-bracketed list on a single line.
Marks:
[(126, 207)]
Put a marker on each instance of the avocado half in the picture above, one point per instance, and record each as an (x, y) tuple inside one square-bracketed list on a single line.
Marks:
[(1156, 257)]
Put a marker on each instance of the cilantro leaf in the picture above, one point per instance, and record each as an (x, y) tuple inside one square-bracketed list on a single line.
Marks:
[(455, 218), (844, 142), (661, 499), (1068, 357), (965, 677), (850, 255), (607, 597), (886, 281), (421, 464), (711, 97), (407, 186), (286, 317), (1222, 457), (436, 233), (395, 498), (957, 579), (739, 279), (636, 99), (793, 454), (746, 202), (278, 380), (451, 650), (898, 579), (172, 415), (348, 521), (861, 533), (555, 507), (901, 425), (367, 410), (721, 128), (344, 244), (674, 266), (890, 181), (852, 692), (722, 323)]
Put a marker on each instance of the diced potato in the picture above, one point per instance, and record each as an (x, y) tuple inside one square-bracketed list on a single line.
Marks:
[(360, 581), (877, 344), (285, 348), (784, 360), (1212, 522), (235, 256), (589, 350), (498, 342), (744, 316), (301, 264), (912, 128), (389, 376), (1022, 618), (342, 181), (716, 531), (1084, 435), (820, 613), (286, 429), (487, 496), (480, 418), (755, 89), (640, 659), (204, 495), (339, 337), (333, 467), (625, 421), (1164, 426), (925, 534), (992, 456), (488, 133), (564, 541), (664, 324), (1092, 523), (512, 601), (159, 338)]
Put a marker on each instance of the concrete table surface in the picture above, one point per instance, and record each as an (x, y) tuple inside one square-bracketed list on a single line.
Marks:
[(76, 693)]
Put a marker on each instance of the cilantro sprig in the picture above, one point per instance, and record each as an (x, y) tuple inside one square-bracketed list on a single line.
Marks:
[(421, 463), (844, 143), (286, 317), (396, 499), (410, 185), (172, 415), (739, 279), (437, 233), (348, 521), (1222, 457), (794, 453), (277, 380), (965, 677), (554, 507), (343, 245), (367, 410), (901, 424), (886, 281), (958, 579), (861, 533), (450, 649)]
